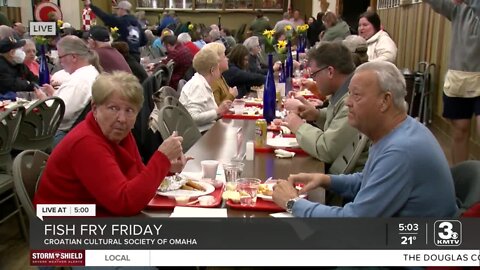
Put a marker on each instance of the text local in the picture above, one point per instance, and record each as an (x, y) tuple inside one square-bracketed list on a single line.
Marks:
[(99, 229)]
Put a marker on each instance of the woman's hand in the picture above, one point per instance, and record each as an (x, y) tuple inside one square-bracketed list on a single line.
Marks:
[(48, 89), (233, 91), (224, 107), (178, 164), (172, 147)]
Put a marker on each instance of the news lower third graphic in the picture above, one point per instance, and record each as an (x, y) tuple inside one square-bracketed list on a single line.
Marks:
[(89, 241)]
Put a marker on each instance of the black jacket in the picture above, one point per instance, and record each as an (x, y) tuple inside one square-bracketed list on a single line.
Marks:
[(123, 24), (15, 77), (136, 68), (242, 79)]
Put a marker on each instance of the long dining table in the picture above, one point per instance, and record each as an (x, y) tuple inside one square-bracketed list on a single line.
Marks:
[(226, 141)]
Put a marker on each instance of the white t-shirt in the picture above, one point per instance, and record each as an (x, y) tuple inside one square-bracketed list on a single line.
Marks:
[(76, 93)]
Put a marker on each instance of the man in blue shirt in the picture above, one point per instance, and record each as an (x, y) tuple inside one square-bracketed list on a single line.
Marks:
[(406, 174)]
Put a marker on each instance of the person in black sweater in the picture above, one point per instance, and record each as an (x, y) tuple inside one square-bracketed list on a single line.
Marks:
[(14, 75), (237, 73), (136, 68)]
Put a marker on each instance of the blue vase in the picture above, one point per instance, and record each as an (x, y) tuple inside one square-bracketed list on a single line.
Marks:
[(288, 69), (43, 73), (269, 93)]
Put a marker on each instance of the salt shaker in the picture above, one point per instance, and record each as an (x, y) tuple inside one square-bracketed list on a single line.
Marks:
[(250, 150)]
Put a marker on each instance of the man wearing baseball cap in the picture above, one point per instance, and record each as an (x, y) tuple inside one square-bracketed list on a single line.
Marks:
[(110, 58), (14, 75), (128, 26)]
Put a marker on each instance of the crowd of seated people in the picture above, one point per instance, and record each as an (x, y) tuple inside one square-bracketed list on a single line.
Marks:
[(365, 92)]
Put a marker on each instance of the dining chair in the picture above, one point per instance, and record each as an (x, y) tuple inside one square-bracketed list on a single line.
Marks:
[(466, 178), (9, 125), (38, 126), (181, 83), (172, 118), (170, 66), (346, 161), (27, 169)]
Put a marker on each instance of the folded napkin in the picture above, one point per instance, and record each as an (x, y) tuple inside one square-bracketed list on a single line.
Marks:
[(280, 153)]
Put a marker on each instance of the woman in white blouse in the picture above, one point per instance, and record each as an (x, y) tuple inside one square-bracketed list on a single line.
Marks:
[(380, 45), (197, 95)]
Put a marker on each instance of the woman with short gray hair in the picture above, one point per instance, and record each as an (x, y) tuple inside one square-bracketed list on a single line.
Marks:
[(255, 65), (197, 95)]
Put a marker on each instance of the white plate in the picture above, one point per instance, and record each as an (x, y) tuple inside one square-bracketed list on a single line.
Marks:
[(188, 193), (280, 142)]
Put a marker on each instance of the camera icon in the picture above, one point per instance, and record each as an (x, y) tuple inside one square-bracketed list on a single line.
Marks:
[(447, 233)]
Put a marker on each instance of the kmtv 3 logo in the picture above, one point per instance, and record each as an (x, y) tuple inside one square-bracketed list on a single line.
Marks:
[(447, 233)]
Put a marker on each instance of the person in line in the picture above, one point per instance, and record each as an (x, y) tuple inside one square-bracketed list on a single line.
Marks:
[(335, 29), (19, 29), (461, 90), (75, 58), (406, 174), (315, 27), (380, 45), (197, 94), (14, 74), (297, 19), (280, 25), (259, 24), (332, 68), (129, 29), (237, 74), (98, 161), (220, 88), (110, 59)]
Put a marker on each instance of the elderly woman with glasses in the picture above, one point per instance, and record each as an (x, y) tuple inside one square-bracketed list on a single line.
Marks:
[(197, 94), (98, 161), (254, 64)]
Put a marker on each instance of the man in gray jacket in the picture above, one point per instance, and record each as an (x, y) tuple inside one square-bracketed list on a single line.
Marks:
[(331, 67), (461, 92)]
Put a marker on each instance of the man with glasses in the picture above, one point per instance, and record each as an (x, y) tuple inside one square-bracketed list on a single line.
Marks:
[(331, 68)]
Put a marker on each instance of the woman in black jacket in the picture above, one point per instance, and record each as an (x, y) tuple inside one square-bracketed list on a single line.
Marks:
[(237, 74), (136, 68)]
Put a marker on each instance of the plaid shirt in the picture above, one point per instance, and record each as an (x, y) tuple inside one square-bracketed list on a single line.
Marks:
[(182, 57)]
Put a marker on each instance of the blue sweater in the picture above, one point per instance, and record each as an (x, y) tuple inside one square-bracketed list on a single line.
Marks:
[(406, 175)]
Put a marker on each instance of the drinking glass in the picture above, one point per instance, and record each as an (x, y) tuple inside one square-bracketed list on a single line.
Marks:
[(248, 187)]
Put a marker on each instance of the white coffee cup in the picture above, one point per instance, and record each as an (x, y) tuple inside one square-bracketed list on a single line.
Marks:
[(209, 168)]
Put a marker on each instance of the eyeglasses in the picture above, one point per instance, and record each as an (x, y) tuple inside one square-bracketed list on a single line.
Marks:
[(312, 74), (62, 56)]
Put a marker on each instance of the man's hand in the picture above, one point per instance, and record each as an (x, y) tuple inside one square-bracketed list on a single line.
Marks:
[(310, 181), (307, 110), (283, 191), (293, 122)]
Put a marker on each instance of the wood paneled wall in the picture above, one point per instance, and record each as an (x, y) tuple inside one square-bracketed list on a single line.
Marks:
[(423, 35), (13, 14)]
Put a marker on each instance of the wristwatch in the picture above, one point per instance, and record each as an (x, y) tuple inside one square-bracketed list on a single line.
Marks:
[(290, 203)]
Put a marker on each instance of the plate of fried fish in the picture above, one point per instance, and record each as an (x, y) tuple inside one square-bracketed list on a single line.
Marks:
[(180, 185)]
